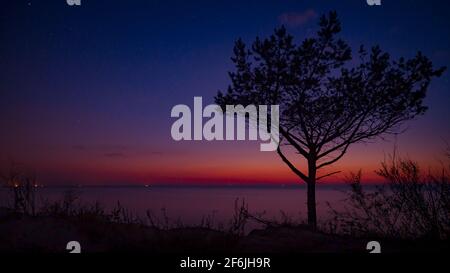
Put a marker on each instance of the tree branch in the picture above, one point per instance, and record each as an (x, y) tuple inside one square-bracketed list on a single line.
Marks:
[(291, 166), (293, 143), (326, 175)]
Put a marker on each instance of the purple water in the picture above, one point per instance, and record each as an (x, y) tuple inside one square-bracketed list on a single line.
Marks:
[(190, 204)]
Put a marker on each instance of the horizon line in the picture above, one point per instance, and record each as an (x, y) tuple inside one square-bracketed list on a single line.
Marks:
[(222, 185)]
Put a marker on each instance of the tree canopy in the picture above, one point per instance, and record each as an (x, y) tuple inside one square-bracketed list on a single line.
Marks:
[(328, 98)]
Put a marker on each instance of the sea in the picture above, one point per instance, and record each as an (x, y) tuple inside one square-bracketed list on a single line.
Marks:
[(190, 205)]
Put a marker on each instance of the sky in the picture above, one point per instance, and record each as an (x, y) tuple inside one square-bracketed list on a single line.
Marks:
[(86, 91)]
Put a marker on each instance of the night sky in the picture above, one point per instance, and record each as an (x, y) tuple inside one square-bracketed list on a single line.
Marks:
[(86, 92)]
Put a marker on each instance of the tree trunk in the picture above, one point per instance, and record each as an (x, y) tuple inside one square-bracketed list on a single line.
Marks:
[(311, 194)]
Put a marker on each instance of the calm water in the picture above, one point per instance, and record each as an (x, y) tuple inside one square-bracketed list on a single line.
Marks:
[(190, 204)]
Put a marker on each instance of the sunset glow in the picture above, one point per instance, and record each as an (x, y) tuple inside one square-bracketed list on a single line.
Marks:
[(88, 101)]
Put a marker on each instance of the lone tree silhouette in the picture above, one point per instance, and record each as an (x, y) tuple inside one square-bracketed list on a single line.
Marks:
[(328, 100)]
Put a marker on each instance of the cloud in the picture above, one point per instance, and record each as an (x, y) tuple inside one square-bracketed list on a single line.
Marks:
[(297, 19), (79, 147), (111, 151), (115, 155), (116, 150), (441, 54), (102, 148)]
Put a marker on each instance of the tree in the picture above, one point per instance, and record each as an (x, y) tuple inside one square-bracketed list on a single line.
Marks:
[(328, 100)]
